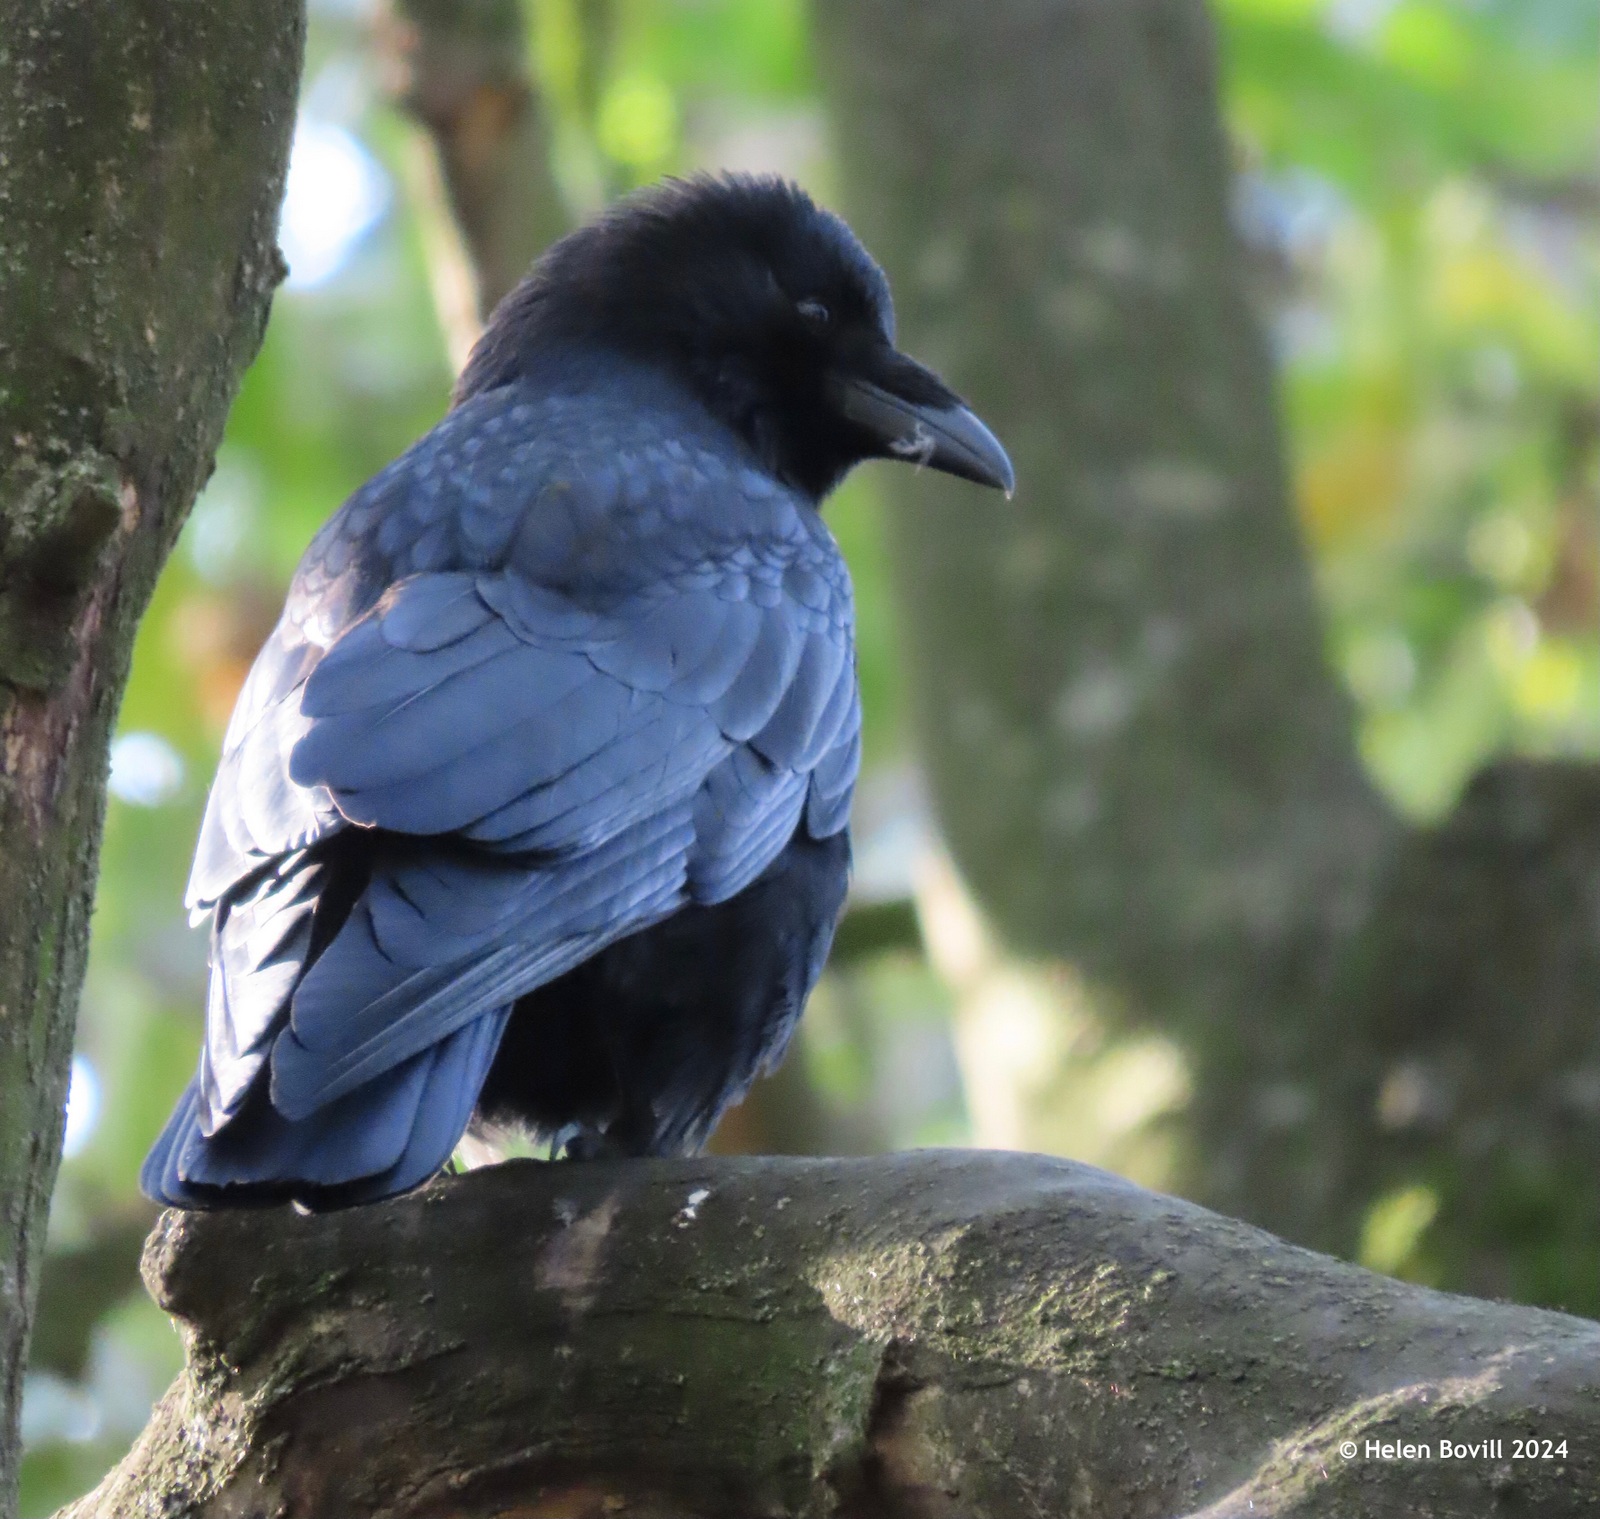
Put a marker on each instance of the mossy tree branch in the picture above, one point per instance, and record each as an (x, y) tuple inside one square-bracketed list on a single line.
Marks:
[(929, 1335)]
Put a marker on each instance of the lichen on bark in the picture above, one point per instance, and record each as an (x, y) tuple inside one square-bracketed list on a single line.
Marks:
[(142, 155), (918, 1336)]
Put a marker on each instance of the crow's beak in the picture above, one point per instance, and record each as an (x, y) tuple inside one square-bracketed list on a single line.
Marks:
[(941, 432)]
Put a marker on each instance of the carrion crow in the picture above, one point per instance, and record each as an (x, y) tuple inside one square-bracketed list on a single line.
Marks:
[(534, 806)]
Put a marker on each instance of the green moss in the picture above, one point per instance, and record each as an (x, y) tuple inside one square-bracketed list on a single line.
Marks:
[(945, 1291), (56, 522)]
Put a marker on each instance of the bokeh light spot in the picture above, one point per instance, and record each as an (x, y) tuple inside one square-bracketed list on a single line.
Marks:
[(145, 769), (638, 122), (83, 1106), (336, 193)]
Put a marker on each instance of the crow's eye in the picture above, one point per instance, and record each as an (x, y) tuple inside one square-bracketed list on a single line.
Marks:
[(814, 311)]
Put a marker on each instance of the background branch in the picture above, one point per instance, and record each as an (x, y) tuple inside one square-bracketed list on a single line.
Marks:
[(460, 69), (78, 1286)]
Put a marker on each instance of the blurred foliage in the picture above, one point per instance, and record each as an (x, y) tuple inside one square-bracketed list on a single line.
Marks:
[(1418, 195), (1424, 176)]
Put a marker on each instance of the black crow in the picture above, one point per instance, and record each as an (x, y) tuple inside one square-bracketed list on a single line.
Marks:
[(534, 805)]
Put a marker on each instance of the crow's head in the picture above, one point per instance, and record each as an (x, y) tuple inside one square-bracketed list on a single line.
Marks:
[(768, 307)]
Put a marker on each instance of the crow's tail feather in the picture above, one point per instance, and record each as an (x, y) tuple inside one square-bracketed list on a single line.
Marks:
[(383, 1138)]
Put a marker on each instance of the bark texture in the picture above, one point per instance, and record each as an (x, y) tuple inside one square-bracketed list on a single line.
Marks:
[(142, 154), (931, 1334), (1140, 760)]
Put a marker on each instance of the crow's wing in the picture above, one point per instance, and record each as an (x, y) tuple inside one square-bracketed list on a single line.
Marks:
[(455, 499), (568, 664), (610, 496), (502, 711), (580, 775), (256, 815)]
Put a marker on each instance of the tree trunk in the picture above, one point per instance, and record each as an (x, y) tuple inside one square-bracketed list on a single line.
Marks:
[(1140, 759), (925, 1335), (1047, 182), (142, 154)]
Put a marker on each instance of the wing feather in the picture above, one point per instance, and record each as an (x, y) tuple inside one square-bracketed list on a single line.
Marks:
[(552, 769)]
